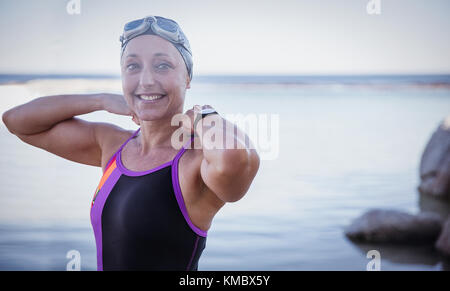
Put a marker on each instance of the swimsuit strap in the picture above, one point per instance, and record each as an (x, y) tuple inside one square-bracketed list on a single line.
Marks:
[(183, 148), (179, 195), (178, 155), (131, 137), (121, 147)]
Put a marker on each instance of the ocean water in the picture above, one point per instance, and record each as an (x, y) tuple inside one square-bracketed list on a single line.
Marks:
[(344, 145)]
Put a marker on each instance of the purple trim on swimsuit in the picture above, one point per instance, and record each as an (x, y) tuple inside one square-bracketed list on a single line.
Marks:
[(193, 254), (136, 173), (179, 195), (96, 213), (131, 137), (128, 172)]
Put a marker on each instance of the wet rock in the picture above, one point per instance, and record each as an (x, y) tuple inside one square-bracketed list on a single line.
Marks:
[(443, 242), (392, 226), (435, 163)]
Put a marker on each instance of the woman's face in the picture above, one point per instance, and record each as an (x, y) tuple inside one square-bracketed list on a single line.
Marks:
[(152, 66)]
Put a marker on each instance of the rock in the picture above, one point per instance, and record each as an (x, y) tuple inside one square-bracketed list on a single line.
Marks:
[(391, 226), (435, 163), (443, 242)]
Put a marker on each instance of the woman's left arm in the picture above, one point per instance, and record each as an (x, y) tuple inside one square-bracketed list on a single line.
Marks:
[(227, 171)]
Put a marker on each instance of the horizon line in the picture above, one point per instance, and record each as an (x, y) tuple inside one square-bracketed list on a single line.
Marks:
[(235, 75)]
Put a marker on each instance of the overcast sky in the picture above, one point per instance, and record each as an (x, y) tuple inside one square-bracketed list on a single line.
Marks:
[(234, 36)]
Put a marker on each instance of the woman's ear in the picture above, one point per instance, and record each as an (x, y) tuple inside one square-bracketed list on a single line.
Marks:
[(188, 83)]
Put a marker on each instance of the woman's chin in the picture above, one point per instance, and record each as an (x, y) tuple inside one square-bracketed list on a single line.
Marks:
[(150, 116)]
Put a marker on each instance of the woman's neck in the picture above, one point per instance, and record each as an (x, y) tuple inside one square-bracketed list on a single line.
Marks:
[(154, 134)]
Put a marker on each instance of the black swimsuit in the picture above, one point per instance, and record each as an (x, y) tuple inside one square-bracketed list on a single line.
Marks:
[(140, 220)]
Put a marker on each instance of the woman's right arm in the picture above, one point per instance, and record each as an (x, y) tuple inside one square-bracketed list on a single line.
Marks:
[(50, 123)]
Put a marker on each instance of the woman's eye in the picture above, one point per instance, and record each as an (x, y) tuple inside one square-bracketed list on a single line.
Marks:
[(163, 66), (131, 66)]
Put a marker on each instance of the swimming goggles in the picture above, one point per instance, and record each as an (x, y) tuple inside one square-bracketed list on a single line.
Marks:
[(166, 28)]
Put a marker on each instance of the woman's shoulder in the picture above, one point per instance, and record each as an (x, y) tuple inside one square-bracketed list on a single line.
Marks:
[(110, 137)]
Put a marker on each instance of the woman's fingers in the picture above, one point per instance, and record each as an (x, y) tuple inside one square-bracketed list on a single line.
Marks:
[(135, 119), (191, 113)]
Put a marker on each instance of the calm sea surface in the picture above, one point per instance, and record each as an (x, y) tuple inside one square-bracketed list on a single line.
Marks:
[(341, 148)]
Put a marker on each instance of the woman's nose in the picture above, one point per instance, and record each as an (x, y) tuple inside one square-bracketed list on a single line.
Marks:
[(147, 79)]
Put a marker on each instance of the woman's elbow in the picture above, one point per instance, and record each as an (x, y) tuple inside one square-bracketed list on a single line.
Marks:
[(6, 118)]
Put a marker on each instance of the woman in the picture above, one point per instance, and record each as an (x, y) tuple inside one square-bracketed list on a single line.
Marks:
[(154, 203)]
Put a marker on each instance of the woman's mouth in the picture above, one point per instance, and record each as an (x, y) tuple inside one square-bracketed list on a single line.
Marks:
[(150, 98)]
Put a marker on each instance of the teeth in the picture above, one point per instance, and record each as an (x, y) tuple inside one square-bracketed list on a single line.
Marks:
[(150, 97)]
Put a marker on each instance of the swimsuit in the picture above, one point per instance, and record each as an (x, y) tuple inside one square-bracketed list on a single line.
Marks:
[(140, 219)]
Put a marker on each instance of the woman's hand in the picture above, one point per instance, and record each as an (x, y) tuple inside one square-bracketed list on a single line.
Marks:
[(116, 104), (226, 172), (192, 114)]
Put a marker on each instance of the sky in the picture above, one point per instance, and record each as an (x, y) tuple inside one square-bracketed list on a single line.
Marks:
[(241, 37)]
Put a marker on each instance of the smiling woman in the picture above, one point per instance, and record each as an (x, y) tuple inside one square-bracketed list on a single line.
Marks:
[(154, 83), (154, 203)]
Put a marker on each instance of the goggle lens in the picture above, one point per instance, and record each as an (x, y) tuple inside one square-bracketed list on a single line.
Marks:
[(133, 24), (167, 25)]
